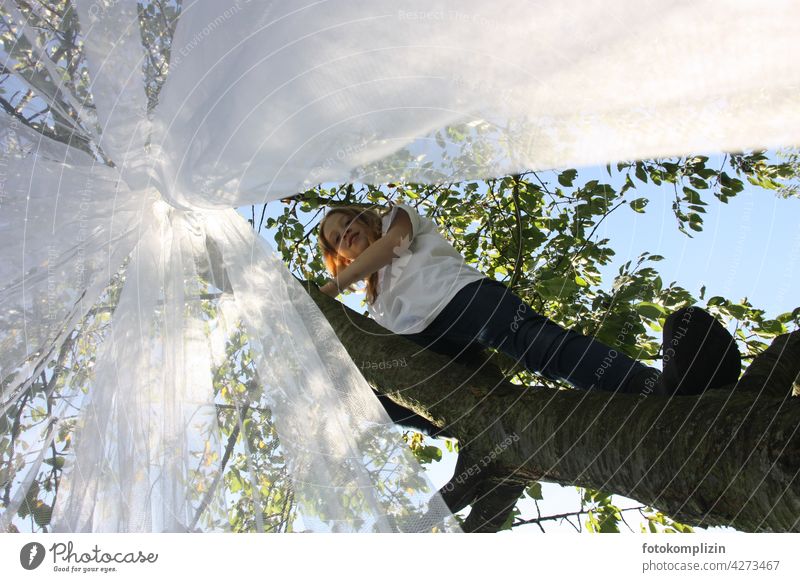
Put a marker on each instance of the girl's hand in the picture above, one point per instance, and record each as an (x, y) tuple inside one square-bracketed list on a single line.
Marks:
[(330, 288)]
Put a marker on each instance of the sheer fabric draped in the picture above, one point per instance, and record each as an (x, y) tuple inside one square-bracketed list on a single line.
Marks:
[(216, 394)]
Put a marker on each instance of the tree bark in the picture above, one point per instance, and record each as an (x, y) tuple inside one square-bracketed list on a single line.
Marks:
[(727, 457)]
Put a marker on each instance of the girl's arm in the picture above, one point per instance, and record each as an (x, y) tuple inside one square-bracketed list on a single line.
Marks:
[(375, 256)]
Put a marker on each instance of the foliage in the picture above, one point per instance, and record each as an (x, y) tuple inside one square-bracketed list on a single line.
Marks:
[(255, 473), (657, 522), (423, 453), (43, 49), (42, 45), (55, 394)]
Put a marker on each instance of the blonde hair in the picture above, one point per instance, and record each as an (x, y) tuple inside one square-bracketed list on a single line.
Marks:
[(372, 222)]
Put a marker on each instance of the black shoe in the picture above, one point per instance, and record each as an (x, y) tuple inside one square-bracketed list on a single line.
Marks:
[(699, 353)]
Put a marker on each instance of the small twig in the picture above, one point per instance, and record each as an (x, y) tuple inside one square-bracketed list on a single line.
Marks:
[(518, 261), (226, 456), (539, 514), (588, 238), (544, 186), (261, 220), (567, 515)]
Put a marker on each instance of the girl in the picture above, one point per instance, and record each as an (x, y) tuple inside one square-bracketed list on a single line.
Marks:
[(419, 286)]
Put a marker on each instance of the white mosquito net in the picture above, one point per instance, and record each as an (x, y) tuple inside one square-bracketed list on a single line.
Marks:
[(213, 395)]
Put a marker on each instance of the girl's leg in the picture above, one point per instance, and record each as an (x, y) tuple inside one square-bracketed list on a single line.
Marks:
[(488, 312), (447, 345)]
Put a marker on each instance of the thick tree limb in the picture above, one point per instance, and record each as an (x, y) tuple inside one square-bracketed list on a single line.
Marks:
[(723, 458)]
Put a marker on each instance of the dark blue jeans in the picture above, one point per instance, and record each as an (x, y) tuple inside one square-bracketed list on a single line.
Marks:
[(487, 313)]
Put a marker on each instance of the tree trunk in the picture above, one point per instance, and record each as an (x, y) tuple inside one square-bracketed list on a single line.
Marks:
[(728, 457)]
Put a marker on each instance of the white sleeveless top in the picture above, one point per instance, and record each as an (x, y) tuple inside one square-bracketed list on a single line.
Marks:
[(422, 279)]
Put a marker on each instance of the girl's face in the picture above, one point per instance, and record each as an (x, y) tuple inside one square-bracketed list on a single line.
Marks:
[(347, 235)]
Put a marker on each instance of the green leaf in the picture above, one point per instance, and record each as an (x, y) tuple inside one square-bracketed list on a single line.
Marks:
[(583, 210), (698, 183), (31, 500), (534, 491), (509, 522), (566, 177), (738, 311), (656, 176), (38, 414), (58, 463), (427, 454), (691, 196), (609, 523), (658, 284), (640, 172), (639, 204), (42, 514), (771, 328), (558, 286), (650, 310)]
